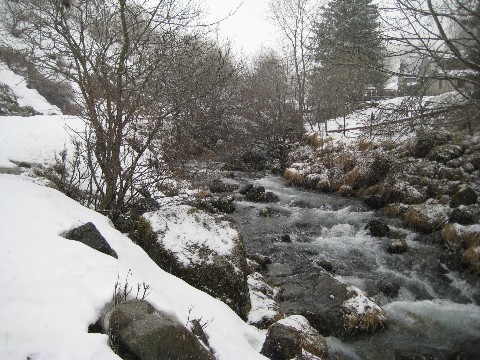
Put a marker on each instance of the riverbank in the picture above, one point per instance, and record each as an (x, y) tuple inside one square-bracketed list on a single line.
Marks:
[(431, 182)]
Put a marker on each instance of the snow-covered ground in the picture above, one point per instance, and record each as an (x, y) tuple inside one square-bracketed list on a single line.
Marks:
[(53, 288), (384, 111)]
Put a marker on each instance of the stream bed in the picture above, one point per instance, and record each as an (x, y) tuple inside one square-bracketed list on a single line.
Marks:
[(430, 308)]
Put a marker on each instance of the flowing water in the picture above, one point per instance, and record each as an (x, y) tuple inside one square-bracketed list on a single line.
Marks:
[(430, 308)]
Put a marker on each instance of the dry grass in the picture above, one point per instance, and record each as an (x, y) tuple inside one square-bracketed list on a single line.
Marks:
[(472, 258), (364, 144), (293, 177), (461, 236), (323, 185), (396, 210), (168, 189), (419, 218), (369, 322)]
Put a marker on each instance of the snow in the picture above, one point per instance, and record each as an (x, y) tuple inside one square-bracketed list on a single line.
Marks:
[(54, 288), (360, 304), (261, 297), (185, 231), (26, 96), (34, 139), (299, 323)]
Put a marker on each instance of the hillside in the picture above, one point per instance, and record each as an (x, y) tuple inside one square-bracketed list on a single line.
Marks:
[(54, 288)]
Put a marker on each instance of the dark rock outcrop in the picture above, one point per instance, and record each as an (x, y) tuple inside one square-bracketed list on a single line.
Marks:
[(377, 228), (138, 331), (90, 236)]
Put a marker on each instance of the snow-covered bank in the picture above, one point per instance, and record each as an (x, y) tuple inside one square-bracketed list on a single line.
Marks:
[(35, 139), (53, 288)]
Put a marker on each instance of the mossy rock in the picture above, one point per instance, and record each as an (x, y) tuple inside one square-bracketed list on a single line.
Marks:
[(138, 331), (223, 277)]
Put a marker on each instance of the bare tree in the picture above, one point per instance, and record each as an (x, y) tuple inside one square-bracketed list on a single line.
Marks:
[(121, 55), (273, 124), (294, 18), (444, 37)]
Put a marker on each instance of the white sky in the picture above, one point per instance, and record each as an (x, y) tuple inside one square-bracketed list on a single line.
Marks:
[(249, 29)]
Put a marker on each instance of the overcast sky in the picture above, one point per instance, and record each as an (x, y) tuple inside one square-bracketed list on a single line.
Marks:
[(248, 28)]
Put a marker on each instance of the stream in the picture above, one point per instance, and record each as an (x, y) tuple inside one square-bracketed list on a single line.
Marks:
[(430, 308)]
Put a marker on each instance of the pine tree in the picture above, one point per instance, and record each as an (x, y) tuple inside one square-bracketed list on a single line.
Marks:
[(349, 51)]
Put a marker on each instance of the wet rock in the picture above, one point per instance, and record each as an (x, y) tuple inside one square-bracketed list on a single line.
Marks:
[(335, 309), (461, 236), (294, 338), (404, 355), (377, 228), (138, 331), (390, 288), (266, 212), (215, 204), (90, 236), (464, 195), (224, 204), (469, 350), (285, 238), (265, 309), (245, 189), (426, 218), (326, 265), (397, 246), (445, 153), (256, 194), (217, 186), (271, 197), (301, 204), (374, 201), (262, 260)]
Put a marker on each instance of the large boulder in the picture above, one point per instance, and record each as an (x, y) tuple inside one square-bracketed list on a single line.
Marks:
[(337, 309), (138, 331), (294, 338), (200, 248), (89, 235)]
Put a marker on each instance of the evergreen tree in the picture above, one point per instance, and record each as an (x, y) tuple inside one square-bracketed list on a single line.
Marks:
[(348, 49)]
